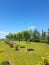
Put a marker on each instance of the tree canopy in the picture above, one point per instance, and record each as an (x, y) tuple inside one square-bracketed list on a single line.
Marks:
[(29, 35)]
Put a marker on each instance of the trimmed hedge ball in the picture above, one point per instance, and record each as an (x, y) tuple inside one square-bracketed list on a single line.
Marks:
[(22, 46), (30, 49)]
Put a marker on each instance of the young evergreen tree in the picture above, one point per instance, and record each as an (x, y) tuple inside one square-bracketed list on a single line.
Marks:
[(36, 36), (48, 37), (31, 32), (43, 35)]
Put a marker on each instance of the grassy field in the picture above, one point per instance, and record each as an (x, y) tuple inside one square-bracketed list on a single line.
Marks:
[(22, 57), (3, 55)]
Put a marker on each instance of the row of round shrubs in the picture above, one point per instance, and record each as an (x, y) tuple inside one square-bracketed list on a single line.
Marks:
[(11, 44), (17, 47)]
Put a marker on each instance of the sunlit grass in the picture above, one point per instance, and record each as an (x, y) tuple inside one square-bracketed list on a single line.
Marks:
[(3, 55), (22, 57)]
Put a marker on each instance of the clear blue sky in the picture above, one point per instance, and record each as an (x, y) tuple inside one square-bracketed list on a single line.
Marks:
[(18, 15)]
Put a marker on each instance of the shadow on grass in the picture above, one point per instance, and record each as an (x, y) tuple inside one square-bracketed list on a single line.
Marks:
[(2, 51), (47, 64), (30, 49), (5, 63)]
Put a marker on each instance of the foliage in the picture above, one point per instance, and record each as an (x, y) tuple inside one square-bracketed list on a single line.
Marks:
[(11, 45), (43, 35), (22, 46), (44, 61), (19, 36), (26, 35), (36, 36), (17, 47), (10, 36), (48, 37), (30, 49), (43, 41), (29, 35)]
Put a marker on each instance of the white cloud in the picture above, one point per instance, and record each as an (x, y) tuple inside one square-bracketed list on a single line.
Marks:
[(31, 27), (3, 34)]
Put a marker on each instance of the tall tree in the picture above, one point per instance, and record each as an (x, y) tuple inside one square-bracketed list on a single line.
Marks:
[(9, 36), (31, 35), (26, 35), (19, 36), (48, 37), (43, 35), (36, 36)]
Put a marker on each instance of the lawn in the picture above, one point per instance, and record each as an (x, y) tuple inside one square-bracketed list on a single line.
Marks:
[(22, 57), (3, 55)]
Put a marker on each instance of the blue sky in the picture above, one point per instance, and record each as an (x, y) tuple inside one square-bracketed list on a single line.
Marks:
[(18, 15)]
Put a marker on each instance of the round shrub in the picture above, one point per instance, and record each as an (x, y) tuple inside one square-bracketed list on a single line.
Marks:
[(22, 46), (17, 47), (30, 49), (11, 45), (6, 41), (5, 63), (8, 63)]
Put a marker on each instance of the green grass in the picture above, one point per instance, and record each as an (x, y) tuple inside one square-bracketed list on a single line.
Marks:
[(3, 56), (22, 57)]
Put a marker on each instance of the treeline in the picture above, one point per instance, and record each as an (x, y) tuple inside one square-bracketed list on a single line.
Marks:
[(29, 35)]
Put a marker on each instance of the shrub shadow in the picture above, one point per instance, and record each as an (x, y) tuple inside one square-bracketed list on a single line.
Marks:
[(5, 63), (1, 51)]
